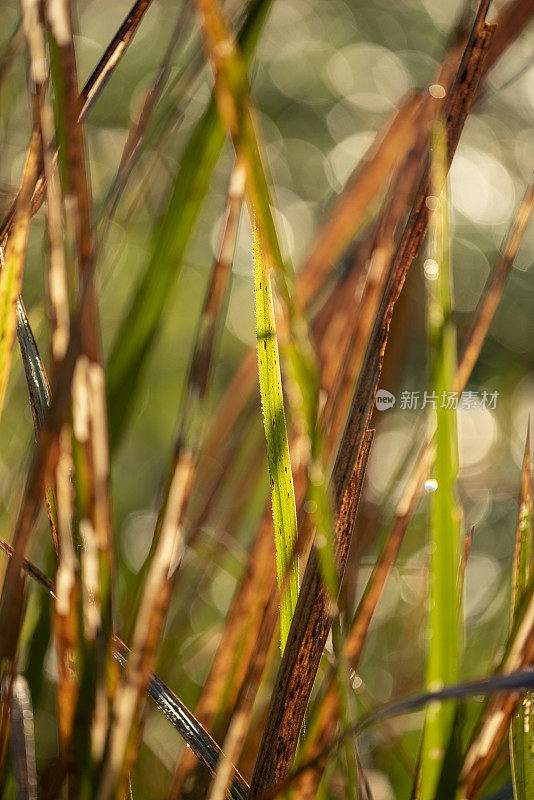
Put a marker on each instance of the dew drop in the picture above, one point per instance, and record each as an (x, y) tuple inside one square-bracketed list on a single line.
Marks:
[(431, 485), (431, 269), (437, 90)]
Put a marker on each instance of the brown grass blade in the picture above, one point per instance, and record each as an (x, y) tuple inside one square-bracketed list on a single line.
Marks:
[(112, 55), (494, 290), (351, 210), (379, 250), (210, 321), (461, 91), (66, 600), (139, 125), (305, 644), (89, 431)]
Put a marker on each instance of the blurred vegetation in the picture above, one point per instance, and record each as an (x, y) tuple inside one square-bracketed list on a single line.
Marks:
[(325, 78)]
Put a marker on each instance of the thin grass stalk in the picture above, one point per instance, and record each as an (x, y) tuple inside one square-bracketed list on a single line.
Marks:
[(10, 285), (89, 428), (57, 275), (494, 720), (442, 658), (41, 470), (493, 290), (350, 211), (65, 617), (66, 629), (522, 720), (139, 124), (383, 245)]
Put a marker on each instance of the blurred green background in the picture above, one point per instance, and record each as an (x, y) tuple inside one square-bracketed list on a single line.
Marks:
[(327, 76)]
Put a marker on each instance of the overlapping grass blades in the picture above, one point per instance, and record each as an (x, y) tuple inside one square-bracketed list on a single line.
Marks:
[(137, 332), (282, 491)]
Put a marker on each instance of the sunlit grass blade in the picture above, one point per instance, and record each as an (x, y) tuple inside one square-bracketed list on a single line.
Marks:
[(13, 265), (136, 335), (444, 629), (84, 608), (282, 491), (521, 743)]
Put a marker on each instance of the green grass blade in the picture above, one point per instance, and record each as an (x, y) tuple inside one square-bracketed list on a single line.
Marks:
[(137, 332), (283, 497), (521, 743), (444, 627)]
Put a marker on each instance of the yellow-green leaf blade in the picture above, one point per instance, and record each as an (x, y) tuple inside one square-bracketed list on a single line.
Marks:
[(282, 492)]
